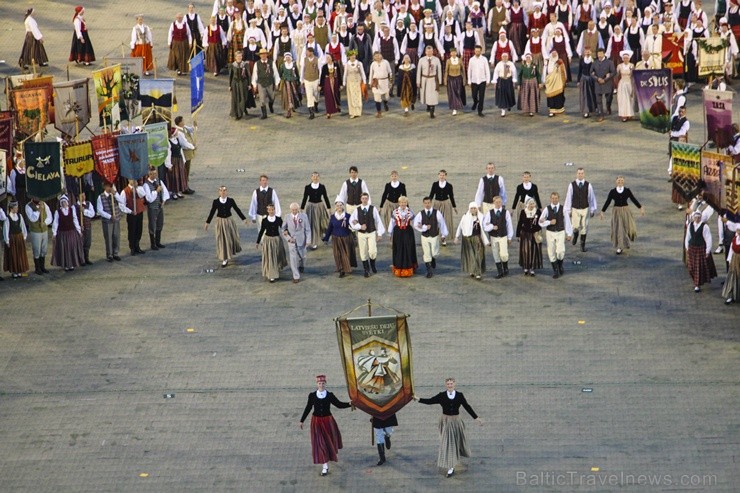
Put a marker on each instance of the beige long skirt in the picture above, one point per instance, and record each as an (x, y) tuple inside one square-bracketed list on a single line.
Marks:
[(318, 218), (227, 238), (624, 229), (445, 207), (453, 443), (473, 255), (387, 211), (274, 258)]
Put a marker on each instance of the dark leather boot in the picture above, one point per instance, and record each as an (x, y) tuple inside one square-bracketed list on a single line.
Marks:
[(158, 238), (506, 268), (555, 270), (153, 243), (381, 454), (429, 269), (372, 266), (388, 442), (500, 270), (575, 237), (583, 243), (42, 264), (366, 266), (560, 267), (264, 114), (434, 263), (38, 269)]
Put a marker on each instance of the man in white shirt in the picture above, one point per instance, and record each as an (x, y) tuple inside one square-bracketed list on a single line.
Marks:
[(580, 205), (263, 196), (479, 73), (558, 230), (431, 224), (39, 219), (352, 189), (679, 132), (111, 205), (156, 194), (490, 186), (497, 223), (370, 230)]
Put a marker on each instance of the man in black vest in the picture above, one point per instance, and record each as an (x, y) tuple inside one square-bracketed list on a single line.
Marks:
[(490, 186), (261, 198), (362, 43), (156, 194), (264, 81), (580, 205), (352, 190), (497, 223), (370, 230), (558, 230), (431, 224), (679, 132)]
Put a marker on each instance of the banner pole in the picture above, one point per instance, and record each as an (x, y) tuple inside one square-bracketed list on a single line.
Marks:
[(369, 307)]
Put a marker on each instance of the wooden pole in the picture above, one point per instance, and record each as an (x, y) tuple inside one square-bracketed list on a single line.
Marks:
[(122, 52), (67, 72), (33, 67), (369, 307)]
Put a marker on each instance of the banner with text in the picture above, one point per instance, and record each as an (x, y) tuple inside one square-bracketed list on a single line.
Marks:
[(31, 107), (711, 53), (718, 117), (7, 127), (133, 155), (654, 93), (672, 53), (44, 177), (105, 153), (686, 168), (47, 83), (78, 159)]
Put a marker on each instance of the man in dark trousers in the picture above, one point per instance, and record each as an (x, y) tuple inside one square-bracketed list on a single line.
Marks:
[(362, 43), (383, 429), (603, 71)]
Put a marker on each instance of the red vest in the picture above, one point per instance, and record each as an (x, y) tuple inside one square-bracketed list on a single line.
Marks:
[(535, 47), (140, 204), (66, 223), (502, 49), (179, 34)]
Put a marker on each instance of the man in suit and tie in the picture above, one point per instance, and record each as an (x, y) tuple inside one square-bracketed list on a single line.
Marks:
[(297, 231)]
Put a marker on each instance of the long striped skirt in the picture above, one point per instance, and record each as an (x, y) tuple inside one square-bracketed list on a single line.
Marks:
[(274, 258), (453, 442), (701, 266), (318, 218), (343, 249), (227, 238), (326, 439)]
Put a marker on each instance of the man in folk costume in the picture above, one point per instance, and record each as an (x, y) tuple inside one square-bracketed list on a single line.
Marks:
[(654, 46), (387, 45), (497, 223), (263, 196), (534, 47), (352, 189), (549, 31), (111, 205), (479, 73), (188, 151), (590, 39), (179, 39), (646, 63), (428, 79), (86, 212), (490, 186), (197, 30), (141, 43), (503, 45), (380, 77), (264, 81), (469, 39), (497, 18), (156, 194), (135, 201), (321, 30), (297, 232), (431, 224), (366, 220), (310, 78), (363, 45), (580, 205), (603, 71), (383, 429), (558, 230), (39, 219)]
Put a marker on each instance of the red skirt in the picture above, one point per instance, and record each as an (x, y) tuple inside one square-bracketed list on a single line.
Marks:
[(145, 52), (326, 440), (701, 266)]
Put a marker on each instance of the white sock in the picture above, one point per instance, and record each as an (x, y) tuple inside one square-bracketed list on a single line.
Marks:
[(450, 470), (325, 467)]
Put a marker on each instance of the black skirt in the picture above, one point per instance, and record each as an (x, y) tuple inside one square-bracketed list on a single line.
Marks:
[(505, 98), (81, 52)]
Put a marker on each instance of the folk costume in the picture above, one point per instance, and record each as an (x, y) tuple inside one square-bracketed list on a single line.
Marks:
[(14, 234), (179, 39), (474, 241), (318, 216), (241, 94), (82, 49), (389, 201), (67, 234), (529, 233), (529, 87), (156, 194), (141, 44), (455, 78), (331, 81), (226, 231), (111, 206), (274, 258), (342, 243), (698, 245), (33, 46), (403, 242), (39, 219), (580, 205), (354, 81), (623, 229), (430, 223)]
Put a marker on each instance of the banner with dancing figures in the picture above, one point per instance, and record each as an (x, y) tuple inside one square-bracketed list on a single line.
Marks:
[(78, 159), (44, 176), (686, 168), (31, 105), (672, 53), (157, 95), (158, 143), (3, 174), (108, 85), (376, 356), (105, 154), (132, 71), (718, 117), (197, 77), (72, 105), (654, 93), (133, 155)]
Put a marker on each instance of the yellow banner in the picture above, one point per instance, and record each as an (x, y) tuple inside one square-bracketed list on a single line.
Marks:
[(711, 56), (78, 159)]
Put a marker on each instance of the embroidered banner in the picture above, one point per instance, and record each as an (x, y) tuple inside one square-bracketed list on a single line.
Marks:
[(654, 88), (718, 117), (105, 154), (44, 177), (132, 70), (30, 109), (197, 77), (157, 95), (72, 105), (686, 168), (108, 86), (7, 127), (672, 51), (133, 155), (78, 159), (711, 53), (732, 191), (158, 144), (376, 355), (47, 83), (3, 174)]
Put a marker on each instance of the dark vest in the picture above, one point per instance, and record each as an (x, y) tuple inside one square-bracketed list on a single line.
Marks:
[(677, 123), (263, 200), (696, 237), (193, 25), (580, 195), (66, 223), (15, 226), (499, 221), (153, 187), (430, 221), (559, 221), (354, 192), (366, 218), (179, 34), (386, 49), (469, 41), (85, 222), (110, 204), (265, 77), (490, 188)]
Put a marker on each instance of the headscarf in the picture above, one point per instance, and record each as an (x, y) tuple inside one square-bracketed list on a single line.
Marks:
[(527, 212), (466, 223)]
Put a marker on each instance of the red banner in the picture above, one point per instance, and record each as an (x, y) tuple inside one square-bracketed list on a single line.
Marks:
[(673, 53), (105, 153), (6, 135), (47, 82)]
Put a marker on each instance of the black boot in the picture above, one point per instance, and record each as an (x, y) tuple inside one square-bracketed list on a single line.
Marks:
[(385, 105), (434, 266), (372, 266), (388, 442), (138, 248), (158, 239), (560, 267), (506, 268), (316, 107), (366, 266), (381, 453), (431, 112), (555, 270), (312, 114), (272, 107), (429, 269), (264, 114), (153, 243), (38, 269), (87, 259), (42, 264), (575, 237), (583, 243), (500, 270)]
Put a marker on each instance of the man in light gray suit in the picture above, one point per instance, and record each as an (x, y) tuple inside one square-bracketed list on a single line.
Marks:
[(603, 71), (297, 231)]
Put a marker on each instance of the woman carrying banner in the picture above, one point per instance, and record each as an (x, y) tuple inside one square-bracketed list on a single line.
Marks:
[(82, 49), (326, 440), (342, 245), (453, 442), (554, 78), (226, 232), (403, 239), (625, 87), (14, 235), (274, 258), (141, 43), (33, 47), (623, 224), (67, 237), (473, 253), (529, 234)]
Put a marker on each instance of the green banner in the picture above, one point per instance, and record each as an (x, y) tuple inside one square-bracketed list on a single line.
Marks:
[(686, 168), (158, 143)]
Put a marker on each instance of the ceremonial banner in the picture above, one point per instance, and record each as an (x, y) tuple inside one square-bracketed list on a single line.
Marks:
[(6, 131), (376, 355), (108, 86), (16, 81), (197, 76), (30, 109), (672, 53), (72, 104), (157, 94), (711, 53), (158, 144), (3, 174), (132, 70), (47, 83), (78, 159), (105, 154), (718, 117), (44, 178), (686, 168), (133, 155), (654, 89), (732, 191)]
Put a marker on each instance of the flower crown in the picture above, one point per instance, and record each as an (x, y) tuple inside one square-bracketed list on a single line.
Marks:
[(352, 52)]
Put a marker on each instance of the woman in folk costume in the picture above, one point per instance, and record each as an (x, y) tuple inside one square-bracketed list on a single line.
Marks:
[(731, 290), (393, 191), (474, 241), (617, 44), (67, 237), (289, 85), (693, 34), (455, 79), (33, 46), (623, 224), (504, 78), (82, 49), (239, 85), (331, 83), (554, 78), (326, 440), (354, 80), (586, 84), (215, 42), (342, 245), (318, 217), (141, 43), (626, 87), (274, 258), (698, 246), (406, 84), (516, 18), (337, 51), (529, 234), (235, 37), (561, 45), (529, 86), (403, 240), (14, 236), (177, 180), (179, 38), (226, 232)]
